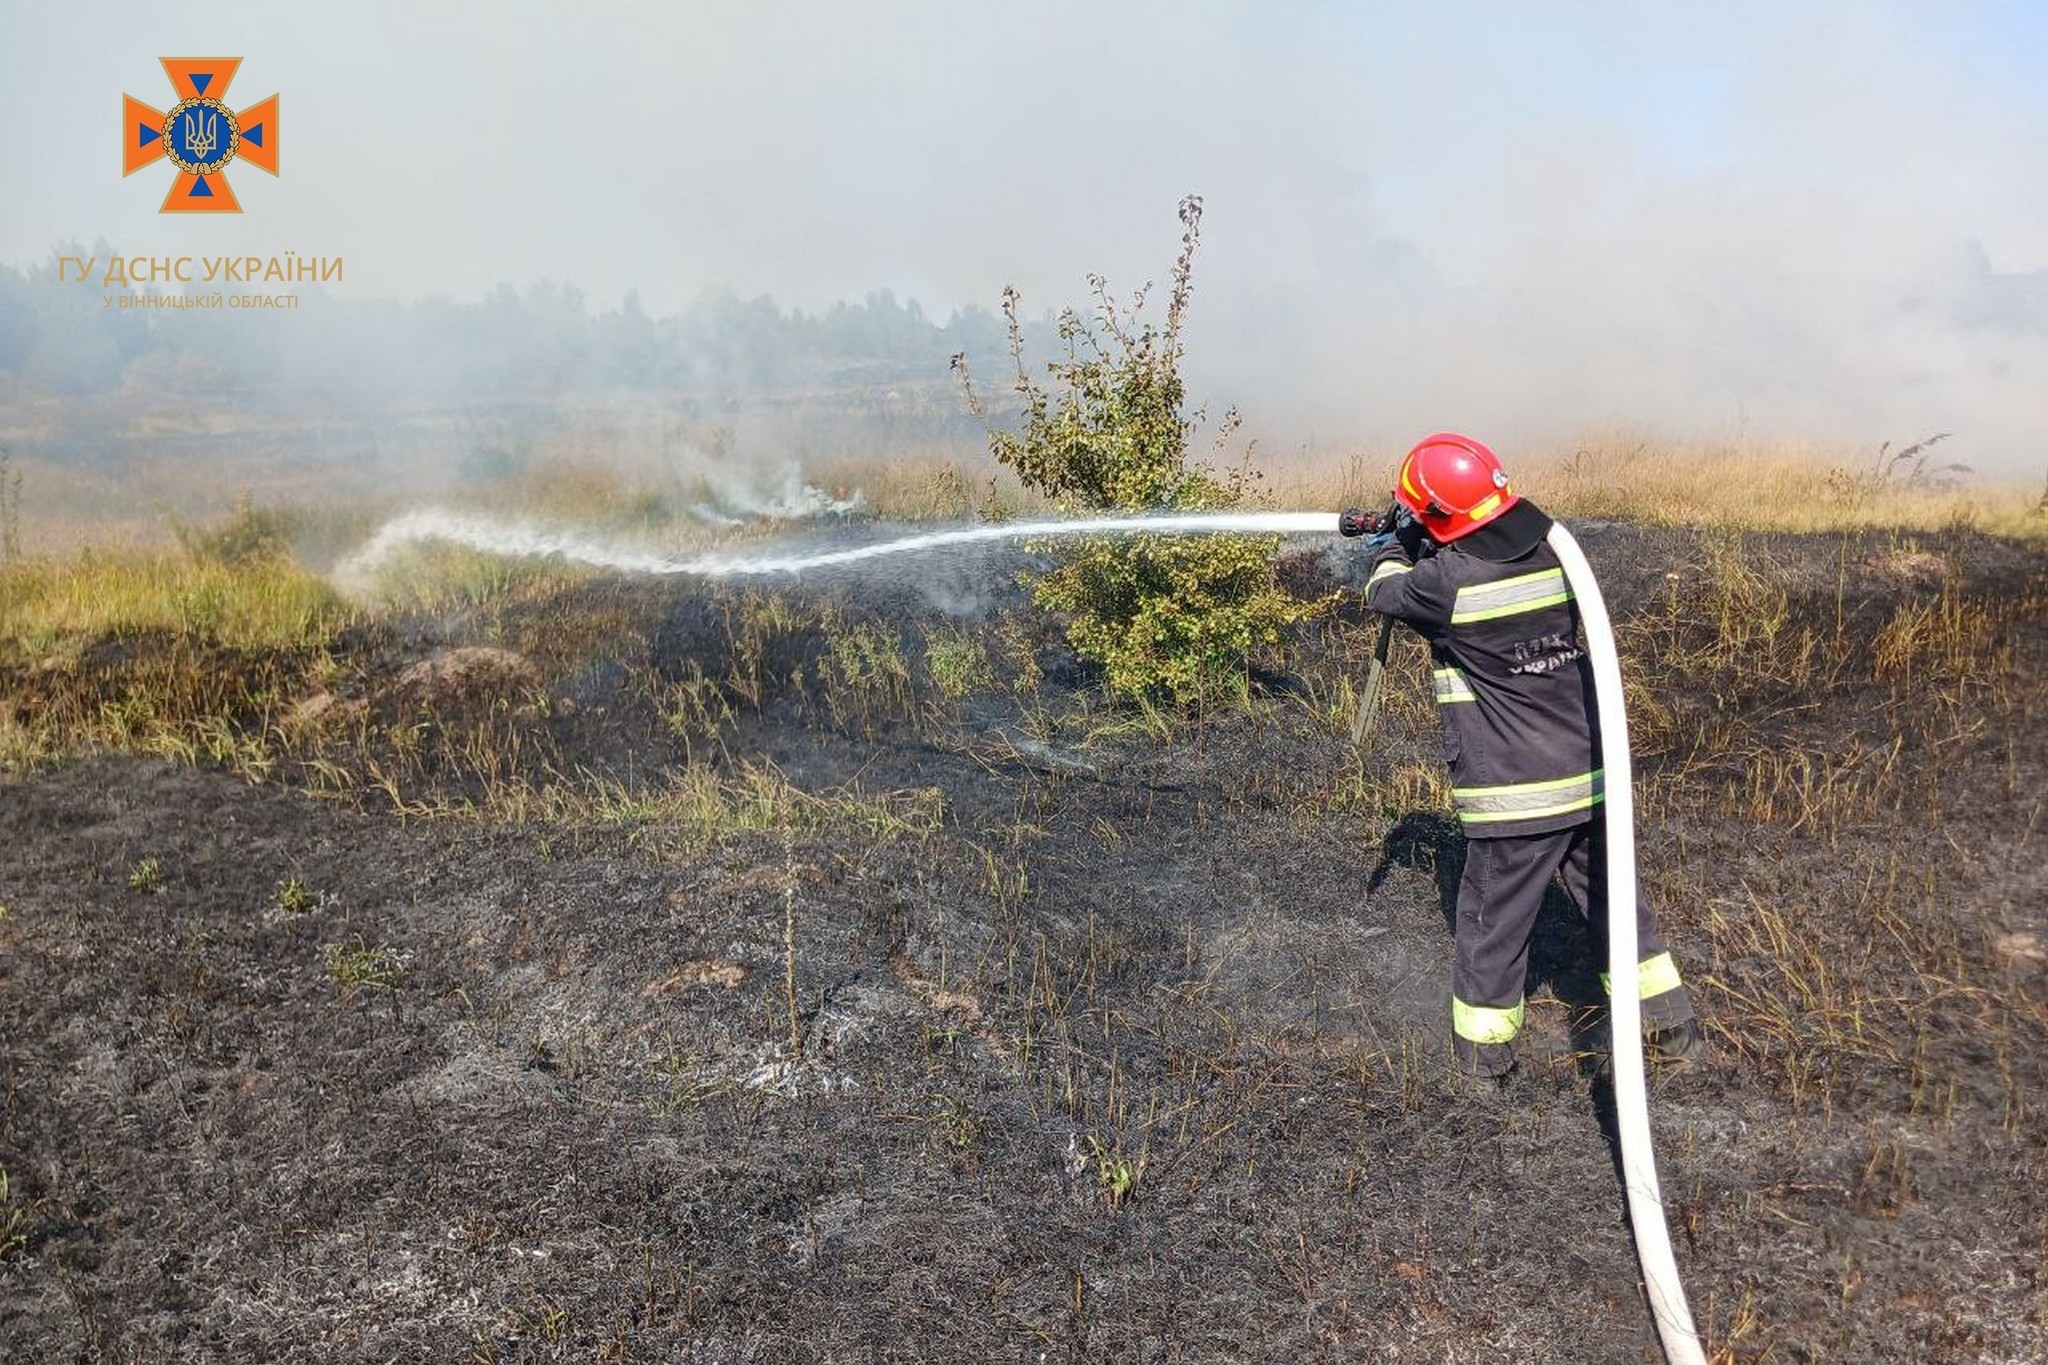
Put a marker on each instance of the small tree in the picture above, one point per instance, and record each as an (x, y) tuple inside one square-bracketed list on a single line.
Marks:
[(1164, 615)]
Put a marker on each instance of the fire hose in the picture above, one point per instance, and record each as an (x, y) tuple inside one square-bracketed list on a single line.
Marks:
[(1675, 1330)]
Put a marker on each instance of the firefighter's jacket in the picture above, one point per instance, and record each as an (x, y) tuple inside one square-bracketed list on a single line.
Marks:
[(1514, 687)]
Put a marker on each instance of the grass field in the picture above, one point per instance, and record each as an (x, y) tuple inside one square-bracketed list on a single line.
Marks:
[(526, 963)]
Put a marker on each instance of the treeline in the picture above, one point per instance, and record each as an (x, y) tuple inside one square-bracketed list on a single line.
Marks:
[(68, 339)]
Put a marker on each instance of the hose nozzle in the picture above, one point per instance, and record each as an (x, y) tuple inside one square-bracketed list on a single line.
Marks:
[(1356, 521)]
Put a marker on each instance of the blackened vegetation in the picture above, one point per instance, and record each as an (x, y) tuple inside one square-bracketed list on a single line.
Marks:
[(463, 1031)]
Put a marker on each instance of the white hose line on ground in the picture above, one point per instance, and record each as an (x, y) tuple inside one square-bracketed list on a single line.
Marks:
[(1631, 1099)]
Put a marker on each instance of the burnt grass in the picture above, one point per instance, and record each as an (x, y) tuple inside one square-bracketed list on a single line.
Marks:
[(1110, 1039)]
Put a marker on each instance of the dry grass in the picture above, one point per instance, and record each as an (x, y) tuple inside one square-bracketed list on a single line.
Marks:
[(56, 607), (694, 807), (228, 659), (1731, 486), (228, 637), (229, 632), (1895, 1010)]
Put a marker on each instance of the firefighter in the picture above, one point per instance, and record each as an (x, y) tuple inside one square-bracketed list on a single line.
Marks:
[(1469, 568)]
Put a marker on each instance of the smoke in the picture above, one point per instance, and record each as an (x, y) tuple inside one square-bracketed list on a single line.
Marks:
[(736, 496), (1748, 222), (1799, 225)]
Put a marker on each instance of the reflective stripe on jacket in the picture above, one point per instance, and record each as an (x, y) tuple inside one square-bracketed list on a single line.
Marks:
[(1514, 688)]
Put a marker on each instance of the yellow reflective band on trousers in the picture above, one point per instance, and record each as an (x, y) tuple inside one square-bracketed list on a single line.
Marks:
[(1527, 800), (1485, 1023), (1451, 685), (1654, 976), (1509, 597), (1387, 569)]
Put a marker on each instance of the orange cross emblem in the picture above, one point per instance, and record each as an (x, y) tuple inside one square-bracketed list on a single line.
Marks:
[(201, 136)]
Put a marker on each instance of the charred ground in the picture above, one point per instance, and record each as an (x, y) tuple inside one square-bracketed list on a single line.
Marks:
[(643, 971)]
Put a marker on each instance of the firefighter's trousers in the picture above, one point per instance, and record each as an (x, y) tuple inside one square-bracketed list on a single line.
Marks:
[(1498, 899)]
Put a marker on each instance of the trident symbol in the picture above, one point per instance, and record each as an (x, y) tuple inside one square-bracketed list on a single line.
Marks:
[(201, 130)]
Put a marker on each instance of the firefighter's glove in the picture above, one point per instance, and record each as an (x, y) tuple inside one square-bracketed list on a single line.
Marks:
[(1409, 535)]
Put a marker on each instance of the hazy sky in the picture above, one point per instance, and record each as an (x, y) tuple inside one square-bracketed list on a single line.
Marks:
[(1522, 218)]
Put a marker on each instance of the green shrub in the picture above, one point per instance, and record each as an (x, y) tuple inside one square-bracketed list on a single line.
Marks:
[(958, 665), (251, 535), (1165, 616)]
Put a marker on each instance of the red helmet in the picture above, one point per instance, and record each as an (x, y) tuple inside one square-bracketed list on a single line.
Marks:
[(1454, 485)]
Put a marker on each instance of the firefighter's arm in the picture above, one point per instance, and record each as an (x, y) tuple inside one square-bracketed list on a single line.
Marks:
[(1419, 593), (1403, 582)]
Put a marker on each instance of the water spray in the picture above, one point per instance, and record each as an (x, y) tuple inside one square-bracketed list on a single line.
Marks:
[(1673, 1318), (530, 540)]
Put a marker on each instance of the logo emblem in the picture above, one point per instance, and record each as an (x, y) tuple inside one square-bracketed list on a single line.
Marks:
[(200, 136)]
